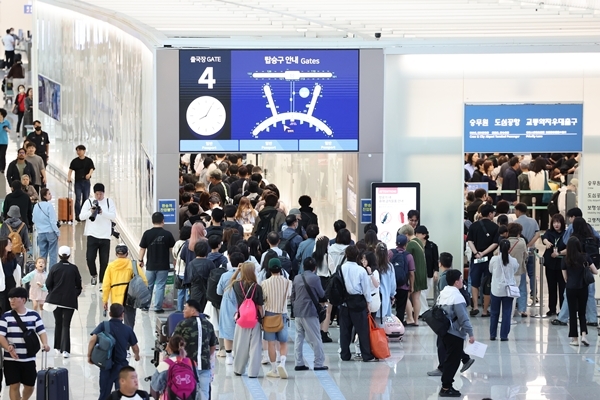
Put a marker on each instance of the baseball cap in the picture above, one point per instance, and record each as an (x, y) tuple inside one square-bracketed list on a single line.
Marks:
[(401, 240), (294, 211), (422, 229), (64, 251), (274, 263), (121, 249)]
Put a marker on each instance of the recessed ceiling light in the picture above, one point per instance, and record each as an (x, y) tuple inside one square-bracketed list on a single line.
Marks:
[(302, 29)]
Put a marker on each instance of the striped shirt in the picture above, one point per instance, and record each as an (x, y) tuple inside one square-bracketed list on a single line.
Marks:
[(276, 290), (14, 334)]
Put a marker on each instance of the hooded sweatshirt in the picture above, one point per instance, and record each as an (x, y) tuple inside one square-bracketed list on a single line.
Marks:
[(15, 223), (453, 302), (336, 255), (119, 272)]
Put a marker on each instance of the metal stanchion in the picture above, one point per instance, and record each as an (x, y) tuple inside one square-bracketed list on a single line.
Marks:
[(541, 286)]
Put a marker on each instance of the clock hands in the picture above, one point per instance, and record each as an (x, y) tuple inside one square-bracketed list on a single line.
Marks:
[(207, 112)]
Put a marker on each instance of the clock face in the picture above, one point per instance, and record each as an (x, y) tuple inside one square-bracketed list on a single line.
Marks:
[(206, 115)]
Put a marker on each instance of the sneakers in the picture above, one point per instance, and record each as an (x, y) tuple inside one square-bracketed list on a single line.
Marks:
[(228, 359), (265, 360), (272, 374), (161, 311), (584, 341), (221, 353), (323, 368), (144, 309), (325, 338), (302, 368), (449, 393), (435, 372), (94, 280), (357, 357), (558, 322), (282, 372), (574, 342), (467, 365), (66, 354)]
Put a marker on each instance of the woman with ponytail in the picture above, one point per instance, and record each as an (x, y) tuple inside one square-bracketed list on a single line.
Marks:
[(503, 268), (175, 350)]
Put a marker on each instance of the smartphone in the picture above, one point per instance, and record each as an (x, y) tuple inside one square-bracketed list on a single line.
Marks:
[(480, 260), (104, 313)]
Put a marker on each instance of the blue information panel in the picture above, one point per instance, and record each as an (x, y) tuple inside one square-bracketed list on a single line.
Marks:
[(268, 100), (169, 209), (366, 206), (525, 128)]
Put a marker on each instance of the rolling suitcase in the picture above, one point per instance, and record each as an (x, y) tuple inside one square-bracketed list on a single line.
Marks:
[(52, 383), (65, 207), (172, 322), (393, 327)]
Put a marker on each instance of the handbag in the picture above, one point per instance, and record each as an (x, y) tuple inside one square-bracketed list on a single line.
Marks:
[(511, 290), (32, 342), (321, 311), (378, 339), (15, 109), (588, 277), (548, 191), (274, 323)]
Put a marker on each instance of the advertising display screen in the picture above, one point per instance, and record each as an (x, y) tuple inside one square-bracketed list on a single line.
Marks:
[(523, 128), (268, 100), (390, 207)]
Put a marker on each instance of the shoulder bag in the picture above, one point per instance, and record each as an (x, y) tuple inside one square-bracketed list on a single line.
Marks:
[(274, 323), (321, 311), (32, 342), (588, 277)]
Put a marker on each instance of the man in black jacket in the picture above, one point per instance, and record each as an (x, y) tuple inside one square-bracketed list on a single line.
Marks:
[(64, 286), (20, 199), (19, 167)]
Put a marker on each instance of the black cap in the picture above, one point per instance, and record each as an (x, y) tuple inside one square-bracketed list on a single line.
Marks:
[(422, 229), (121, 249), (98, 187)]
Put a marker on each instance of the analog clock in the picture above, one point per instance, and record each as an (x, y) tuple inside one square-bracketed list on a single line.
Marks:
[(206, 115)]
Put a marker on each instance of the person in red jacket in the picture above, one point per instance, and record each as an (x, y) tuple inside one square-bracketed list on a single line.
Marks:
[(20, 105)]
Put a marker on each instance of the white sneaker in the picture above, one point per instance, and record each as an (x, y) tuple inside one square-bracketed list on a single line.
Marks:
[(272, 374), (57, 352), (513, 321), (221, 353), (229, 359), (282, 372), (265, 360), (66, 354)]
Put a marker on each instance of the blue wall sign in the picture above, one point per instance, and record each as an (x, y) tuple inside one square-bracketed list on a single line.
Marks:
[(523, 128), (366, 207), (169, 209), (268, 100), (28, 9), (473, 186)]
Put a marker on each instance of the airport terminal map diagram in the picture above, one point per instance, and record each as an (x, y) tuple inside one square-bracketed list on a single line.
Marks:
[(295, 94)]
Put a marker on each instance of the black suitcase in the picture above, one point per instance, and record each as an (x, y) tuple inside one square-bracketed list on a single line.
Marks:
[(52, 383)]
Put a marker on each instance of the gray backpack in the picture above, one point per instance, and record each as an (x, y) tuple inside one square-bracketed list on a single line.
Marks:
[(138, 295)]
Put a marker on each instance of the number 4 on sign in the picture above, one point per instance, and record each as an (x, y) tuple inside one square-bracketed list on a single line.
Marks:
[(207, 78)]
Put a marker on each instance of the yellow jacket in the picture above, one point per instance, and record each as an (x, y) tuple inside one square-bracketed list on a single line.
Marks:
[(118, 271)]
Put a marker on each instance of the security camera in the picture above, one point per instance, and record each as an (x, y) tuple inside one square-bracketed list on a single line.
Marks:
[(377, 35)]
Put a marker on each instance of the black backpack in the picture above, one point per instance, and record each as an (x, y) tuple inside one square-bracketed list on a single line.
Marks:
[(211, 286), (285, 244), (309, 219), (400, 264), (553, 204), (590, 246), (336, 289), (265, 225)]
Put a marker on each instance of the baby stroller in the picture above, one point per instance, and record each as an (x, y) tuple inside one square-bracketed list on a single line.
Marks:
[(8, 89)]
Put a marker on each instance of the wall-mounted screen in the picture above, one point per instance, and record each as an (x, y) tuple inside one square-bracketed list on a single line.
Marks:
[(268, 100), (49, 97), (391, 204), (523, 128)]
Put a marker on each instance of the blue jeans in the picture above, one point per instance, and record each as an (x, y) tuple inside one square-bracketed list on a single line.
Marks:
[(82, 193), (108, 377), (160, 279), (48, 247), (204, 377), (531, 274), (591, 314), (522, 300), (182, 296), (506, 303)]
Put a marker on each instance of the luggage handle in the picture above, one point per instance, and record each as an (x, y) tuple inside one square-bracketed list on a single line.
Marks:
[(44, 359)]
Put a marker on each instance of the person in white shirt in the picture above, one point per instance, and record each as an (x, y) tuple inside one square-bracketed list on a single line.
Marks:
[(9, 48), (100, 213)]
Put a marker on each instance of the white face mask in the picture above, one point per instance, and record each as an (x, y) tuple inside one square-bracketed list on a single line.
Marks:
[(21, 90)]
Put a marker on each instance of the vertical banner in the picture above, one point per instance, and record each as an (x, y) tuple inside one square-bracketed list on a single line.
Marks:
[(391, 203), (168, 207)]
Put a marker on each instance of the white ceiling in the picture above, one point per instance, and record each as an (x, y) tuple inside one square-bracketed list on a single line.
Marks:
[(396, 20)]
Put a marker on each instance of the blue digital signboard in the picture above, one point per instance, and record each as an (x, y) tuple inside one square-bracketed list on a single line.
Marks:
[(523, 128), (268, 100)]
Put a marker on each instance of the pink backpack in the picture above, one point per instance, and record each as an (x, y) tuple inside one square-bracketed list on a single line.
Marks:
[(247, 316), (181, 380)]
